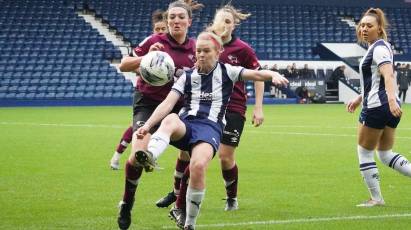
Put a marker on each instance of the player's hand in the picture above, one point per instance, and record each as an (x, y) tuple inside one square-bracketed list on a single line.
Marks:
[(278, 79), (258, 116), (142, 131), (353, 104), (156, 46), (395, 108)]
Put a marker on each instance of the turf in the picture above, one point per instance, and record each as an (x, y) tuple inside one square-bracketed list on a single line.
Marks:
[(297, 171)]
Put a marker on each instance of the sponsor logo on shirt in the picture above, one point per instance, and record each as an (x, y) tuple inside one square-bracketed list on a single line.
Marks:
[(206, 96)]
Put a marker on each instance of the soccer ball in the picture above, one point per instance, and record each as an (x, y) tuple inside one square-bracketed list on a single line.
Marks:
[(157, 68)]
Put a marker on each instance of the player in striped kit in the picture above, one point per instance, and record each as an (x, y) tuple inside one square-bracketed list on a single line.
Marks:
[(238, 53), (199, 125), (147, 97), (381, 110)]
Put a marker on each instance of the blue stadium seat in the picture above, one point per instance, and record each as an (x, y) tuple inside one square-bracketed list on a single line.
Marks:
[(46, 47)]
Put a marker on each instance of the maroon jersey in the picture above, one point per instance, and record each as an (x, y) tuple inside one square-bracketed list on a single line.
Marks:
[(239, 53), (183, 56)]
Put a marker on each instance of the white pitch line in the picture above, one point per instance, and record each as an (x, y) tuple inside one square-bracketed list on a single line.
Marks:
[(294, 221), (63, 125), (303, 126), (313, 134), (314, 126), (303, 133), (248, 131)]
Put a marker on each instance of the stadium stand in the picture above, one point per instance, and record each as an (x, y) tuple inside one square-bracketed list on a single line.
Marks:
[(50, 54)]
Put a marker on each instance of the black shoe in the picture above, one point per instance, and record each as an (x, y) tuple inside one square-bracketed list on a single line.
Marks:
[(124, 215), (167, 200), (178, 215), (181, 220), (146, 159), (231, 204), (174, 213)]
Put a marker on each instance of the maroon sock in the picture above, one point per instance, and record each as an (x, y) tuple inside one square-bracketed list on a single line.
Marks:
[(132, 176), (125, 140), (181, 198), (178, 174), (231, 181)]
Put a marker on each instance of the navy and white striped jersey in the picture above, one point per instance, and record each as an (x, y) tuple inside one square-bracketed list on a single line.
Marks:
[(372, 82), (207, 95)]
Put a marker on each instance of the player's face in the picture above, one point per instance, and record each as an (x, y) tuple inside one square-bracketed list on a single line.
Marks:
[(224, 23), (160, 27), (369, 29), (206, 54), (178, 21)]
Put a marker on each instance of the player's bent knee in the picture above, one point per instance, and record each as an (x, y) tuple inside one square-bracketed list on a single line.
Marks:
[(197, 167), (171, 121), (172, 117)]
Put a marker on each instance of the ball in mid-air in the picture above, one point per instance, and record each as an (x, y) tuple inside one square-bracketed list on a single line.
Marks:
[(157, 68)]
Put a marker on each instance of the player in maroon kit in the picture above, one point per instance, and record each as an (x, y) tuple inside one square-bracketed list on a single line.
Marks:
[(159, 26), (236, 52), (147, 97)]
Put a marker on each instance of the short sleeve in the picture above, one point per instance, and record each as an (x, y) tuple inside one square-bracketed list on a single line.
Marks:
[(234, 72), (251, 60), (178, 86), (382, 55), (143, 48)]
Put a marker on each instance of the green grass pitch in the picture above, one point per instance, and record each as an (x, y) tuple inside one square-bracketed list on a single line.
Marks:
[(299, 170)]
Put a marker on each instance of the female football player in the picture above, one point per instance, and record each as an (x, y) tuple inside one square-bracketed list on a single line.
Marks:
[(147, 97), (238, 53), (381, 110), (199, 125), (159, 25)]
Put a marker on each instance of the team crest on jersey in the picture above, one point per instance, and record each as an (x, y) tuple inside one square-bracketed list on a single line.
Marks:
[(192, 58), (233, 59)]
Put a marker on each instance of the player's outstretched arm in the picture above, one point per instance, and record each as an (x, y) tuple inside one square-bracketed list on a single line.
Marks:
[(162, 110), (264, 75), (130, 64)]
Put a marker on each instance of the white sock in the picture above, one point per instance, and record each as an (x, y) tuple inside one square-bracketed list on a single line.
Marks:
[(194, 198), (395, 161), (369, 172), (124, 143), (158, 144), (116, 156), (177, 176)]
